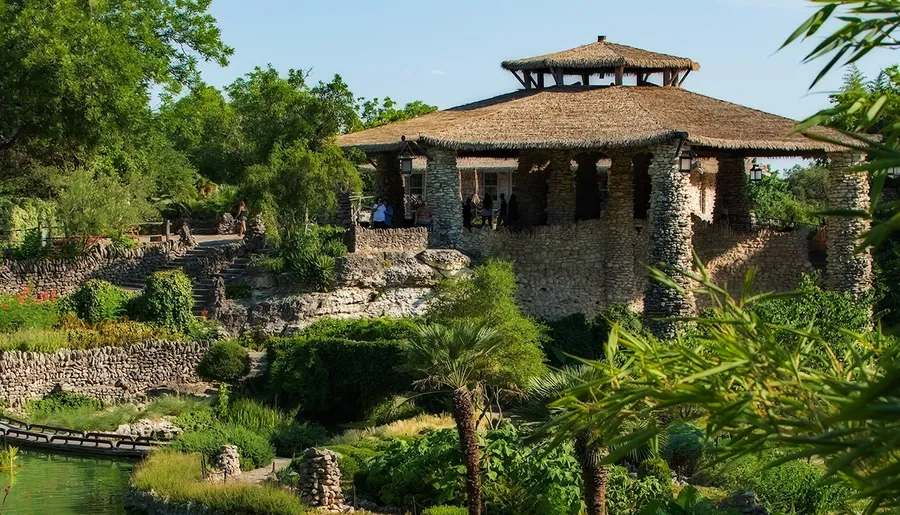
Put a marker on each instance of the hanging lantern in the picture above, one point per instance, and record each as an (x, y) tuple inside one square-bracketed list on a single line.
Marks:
[(406, 158), (686, 161), (756, 173)]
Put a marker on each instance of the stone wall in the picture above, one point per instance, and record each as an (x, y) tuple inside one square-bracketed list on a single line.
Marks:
[(112, 374), (781, 258), (109, 263), (568, 269), (374, 240)]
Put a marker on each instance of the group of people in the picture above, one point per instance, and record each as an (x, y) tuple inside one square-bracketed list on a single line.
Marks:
[(383, 215), (507, 212)]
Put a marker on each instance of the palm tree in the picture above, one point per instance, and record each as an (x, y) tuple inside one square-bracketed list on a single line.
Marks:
[(461, 357), (536, 408)]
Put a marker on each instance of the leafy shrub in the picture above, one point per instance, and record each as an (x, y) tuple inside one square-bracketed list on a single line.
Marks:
[(659, 470), (124, 241), (177, 477), (446, 510), (31, 246), (825, 312), (238, 291), (582, 337), (336, 380), (253, 415), (63, 401), (98, 301), (786, 489), (167, 300), (517, 479), (22, 312), (684, 449), (292, 438), (273, 265), (353, 460), (310, 255), (195, 420), (362, 329), (225, 361), (255, 449), (489, 295), (629, 496), (688, 502)]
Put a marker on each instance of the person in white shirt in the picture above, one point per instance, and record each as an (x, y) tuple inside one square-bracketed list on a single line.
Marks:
[(378, 215)]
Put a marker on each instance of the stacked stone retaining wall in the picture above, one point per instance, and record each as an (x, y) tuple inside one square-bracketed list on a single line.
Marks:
[(108, 263), (374, 240), (112, 374)]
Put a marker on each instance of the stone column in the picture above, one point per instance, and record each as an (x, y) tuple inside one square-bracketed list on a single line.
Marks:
[(389, 184), (670, 239), (560, 189), (619, 219), (847, 270), (732, 205), (442, 190)]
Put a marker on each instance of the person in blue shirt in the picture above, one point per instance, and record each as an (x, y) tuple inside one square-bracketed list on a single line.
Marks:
[(388, 214)]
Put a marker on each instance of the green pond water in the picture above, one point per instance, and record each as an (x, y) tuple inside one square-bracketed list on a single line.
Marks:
[(65, 484)]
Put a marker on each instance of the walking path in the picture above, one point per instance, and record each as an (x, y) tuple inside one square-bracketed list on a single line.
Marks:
[(261, 474), (17, 432)]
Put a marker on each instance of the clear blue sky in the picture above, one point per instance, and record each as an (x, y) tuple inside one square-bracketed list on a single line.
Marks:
[(449, 52)]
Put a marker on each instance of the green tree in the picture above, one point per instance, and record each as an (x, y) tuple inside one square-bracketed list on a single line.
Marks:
[(204, 126), (373, 113), (489, 296), (297, 184), (464, 358), (78, 73), (100, 204), (538, 408)]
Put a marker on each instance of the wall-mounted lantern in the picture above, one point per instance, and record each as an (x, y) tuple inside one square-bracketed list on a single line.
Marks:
[(756, 173), (406, 157), (686, 161)]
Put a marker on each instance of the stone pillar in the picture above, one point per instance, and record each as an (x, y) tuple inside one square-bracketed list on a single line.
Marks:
[(560, 189), (620, 221), (670, 239), (389, 184), (587, 188), (442, 190), (732, 205), (319, 480), (848, 270)]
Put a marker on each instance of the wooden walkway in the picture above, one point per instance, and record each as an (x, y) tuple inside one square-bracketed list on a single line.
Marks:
[(19, 433)]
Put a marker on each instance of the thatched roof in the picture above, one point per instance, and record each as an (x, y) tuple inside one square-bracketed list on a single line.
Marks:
[(602, 55), (465, 164), (571, 117)]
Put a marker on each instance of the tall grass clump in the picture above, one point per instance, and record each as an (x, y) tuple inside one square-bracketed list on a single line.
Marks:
[(177, 477)]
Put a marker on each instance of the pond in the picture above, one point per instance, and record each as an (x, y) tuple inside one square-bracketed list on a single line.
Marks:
[(65, 484)]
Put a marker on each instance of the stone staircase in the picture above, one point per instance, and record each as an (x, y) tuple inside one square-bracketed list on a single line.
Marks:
[(203, 287)]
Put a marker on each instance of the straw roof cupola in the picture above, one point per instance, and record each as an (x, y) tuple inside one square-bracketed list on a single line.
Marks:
[(604, 60)]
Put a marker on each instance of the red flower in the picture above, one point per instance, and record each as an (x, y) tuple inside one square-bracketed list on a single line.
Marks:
[(204, 313), (6, 306)]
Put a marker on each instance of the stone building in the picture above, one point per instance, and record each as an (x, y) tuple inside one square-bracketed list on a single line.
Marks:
[(606, 131)]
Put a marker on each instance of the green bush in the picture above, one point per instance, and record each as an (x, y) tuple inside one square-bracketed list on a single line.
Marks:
[(310, 255), (629, 496), (352, 460), (684, 448), (167, 300), (238, 291), (253, 415), (786, 489), (255, 449), (292, 438), (826, 313), (446, 510), (582, 337), (225, 361), (63, 401), (98, 301), (362, 329), (335, 380), (196, 420), (658, 469), (517, 479), (23, 313), (273, 265)]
